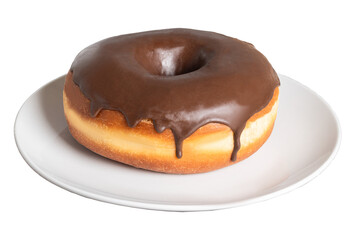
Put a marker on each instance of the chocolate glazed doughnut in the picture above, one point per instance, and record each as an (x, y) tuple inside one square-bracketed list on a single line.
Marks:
[(179, 80)]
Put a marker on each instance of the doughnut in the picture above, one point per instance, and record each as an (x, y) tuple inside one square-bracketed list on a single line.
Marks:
[(177, 101)]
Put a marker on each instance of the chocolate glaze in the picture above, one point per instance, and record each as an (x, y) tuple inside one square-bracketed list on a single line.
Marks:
[(180, 79)]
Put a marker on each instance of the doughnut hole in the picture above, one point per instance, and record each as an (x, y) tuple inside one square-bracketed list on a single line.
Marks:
[(171, 61)]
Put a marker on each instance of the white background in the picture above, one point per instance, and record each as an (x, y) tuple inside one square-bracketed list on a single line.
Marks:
[(318, 43)]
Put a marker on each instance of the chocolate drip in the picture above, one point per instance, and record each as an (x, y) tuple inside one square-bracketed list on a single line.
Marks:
[(181, 79), (237, 143)]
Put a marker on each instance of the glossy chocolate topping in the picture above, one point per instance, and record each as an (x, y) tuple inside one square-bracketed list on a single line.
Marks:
[(180, 79)]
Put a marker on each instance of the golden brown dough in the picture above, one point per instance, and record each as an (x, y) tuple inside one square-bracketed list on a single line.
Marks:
[(207, 149)]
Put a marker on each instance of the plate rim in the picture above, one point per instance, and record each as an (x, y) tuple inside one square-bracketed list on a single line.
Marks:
[(154, 205)]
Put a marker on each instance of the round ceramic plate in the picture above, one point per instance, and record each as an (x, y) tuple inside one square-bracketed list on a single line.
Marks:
[(305, 139)]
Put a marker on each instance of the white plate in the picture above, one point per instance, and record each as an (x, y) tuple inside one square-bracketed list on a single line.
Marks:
[(305, 139)]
